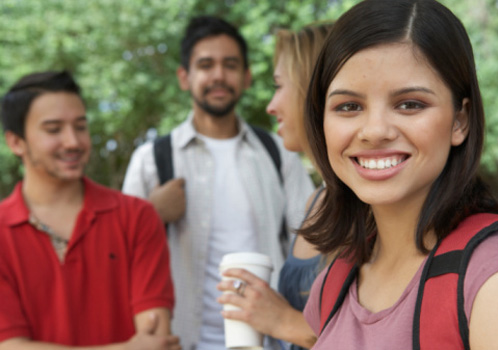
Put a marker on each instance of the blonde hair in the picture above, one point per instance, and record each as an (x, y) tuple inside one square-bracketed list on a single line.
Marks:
[(299, 52)]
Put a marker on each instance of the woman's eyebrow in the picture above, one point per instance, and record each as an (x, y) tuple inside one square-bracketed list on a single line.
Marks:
[(412, 89), (346, 92)]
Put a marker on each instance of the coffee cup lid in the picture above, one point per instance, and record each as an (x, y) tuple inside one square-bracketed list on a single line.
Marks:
[(249, 258)]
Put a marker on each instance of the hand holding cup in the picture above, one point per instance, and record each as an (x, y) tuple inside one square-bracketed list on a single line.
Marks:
[(253, 267)]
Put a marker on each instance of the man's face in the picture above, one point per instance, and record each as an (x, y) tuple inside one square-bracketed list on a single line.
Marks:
[(56, 142), (217, 76)]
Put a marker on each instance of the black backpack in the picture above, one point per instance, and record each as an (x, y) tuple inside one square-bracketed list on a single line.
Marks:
[(163, 156)]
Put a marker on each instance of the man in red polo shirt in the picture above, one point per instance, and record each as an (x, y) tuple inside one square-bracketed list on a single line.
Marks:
[(80, 265)]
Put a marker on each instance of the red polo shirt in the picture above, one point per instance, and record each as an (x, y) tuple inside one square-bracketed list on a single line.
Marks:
[(116, 265)]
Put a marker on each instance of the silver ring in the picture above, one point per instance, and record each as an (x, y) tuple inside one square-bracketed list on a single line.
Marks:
[(239, 286)]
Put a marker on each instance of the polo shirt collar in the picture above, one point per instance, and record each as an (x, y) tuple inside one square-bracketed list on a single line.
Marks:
[(96, 199), (16, 207)]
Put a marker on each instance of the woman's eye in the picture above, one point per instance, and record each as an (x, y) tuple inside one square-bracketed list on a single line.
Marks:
[(276, 86), (411, 105), (348, 107)]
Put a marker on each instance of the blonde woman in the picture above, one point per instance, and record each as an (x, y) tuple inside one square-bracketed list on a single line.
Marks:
[(280, 314)]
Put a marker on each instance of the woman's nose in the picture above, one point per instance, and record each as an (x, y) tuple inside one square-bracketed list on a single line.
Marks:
[(271, 107), (377, 127)]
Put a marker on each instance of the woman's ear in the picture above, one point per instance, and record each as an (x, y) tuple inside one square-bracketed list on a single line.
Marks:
[(461, 124)]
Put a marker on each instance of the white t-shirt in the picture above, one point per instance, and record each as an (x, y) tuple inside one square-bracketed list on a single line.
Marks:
[(232, 230)]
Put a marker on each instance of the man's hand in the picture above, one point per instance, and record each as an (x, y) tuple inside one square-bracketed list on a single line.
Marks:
[(146, 338), (169, 200)]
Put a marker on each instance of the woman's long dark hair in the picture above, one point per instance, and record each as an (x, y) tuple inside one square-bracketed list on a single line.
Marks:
[(344, 222)]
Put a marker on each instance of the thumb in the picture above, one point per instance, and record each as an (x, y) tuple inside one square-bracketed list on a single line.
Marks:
[(180, 181), (151, 324)]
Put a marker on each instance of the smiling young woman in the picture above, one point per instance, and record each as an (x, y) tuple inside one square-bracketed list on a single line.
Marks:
[(396, 122)]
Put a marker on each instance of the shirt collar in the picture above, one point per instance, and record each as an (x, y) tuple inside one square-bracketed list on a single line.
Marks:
[(96, 199), (187, 133), (16, 207)]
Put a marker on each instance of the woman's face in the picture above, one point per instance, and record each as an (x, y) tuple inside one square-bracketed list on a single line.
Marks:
[(285, 106), (389, 124)]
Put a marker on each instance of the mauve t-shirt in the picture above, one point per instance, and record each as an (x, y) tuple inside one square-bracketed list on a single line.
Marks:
[(356, 328)]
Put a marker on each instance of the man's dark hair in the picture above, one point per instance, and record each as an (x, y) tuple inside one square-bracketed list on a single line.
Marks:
[(203, 27), (17, 101)]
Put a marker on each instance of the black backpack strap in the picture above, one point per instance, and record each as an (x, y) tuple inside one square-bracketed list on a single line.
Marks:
[(272, 148), (163, 156)]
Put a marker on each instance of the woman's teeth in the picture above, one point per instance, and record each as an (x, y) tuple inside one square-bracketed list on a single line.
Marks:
[(379, 164)]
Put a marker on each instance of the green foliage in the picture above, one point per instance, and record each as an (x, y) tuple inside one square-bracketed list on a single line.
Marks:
[(125, 55)]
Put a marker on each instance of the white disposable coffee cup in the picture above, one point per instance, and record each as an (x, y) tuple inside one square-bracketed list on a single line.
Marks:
[(238, 334)]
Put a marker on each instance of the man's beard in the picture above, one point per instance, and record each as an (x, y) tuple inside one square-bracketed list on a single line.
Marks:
[(217, 111)]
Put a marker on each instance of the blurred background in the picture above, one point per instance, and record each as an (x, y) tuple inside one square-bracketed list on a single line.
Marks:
[(124, 54)]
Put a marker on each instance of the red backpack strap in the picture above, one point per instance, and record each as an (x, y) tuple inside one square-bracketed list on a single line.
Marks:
[(338, 278), (439, 319)]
